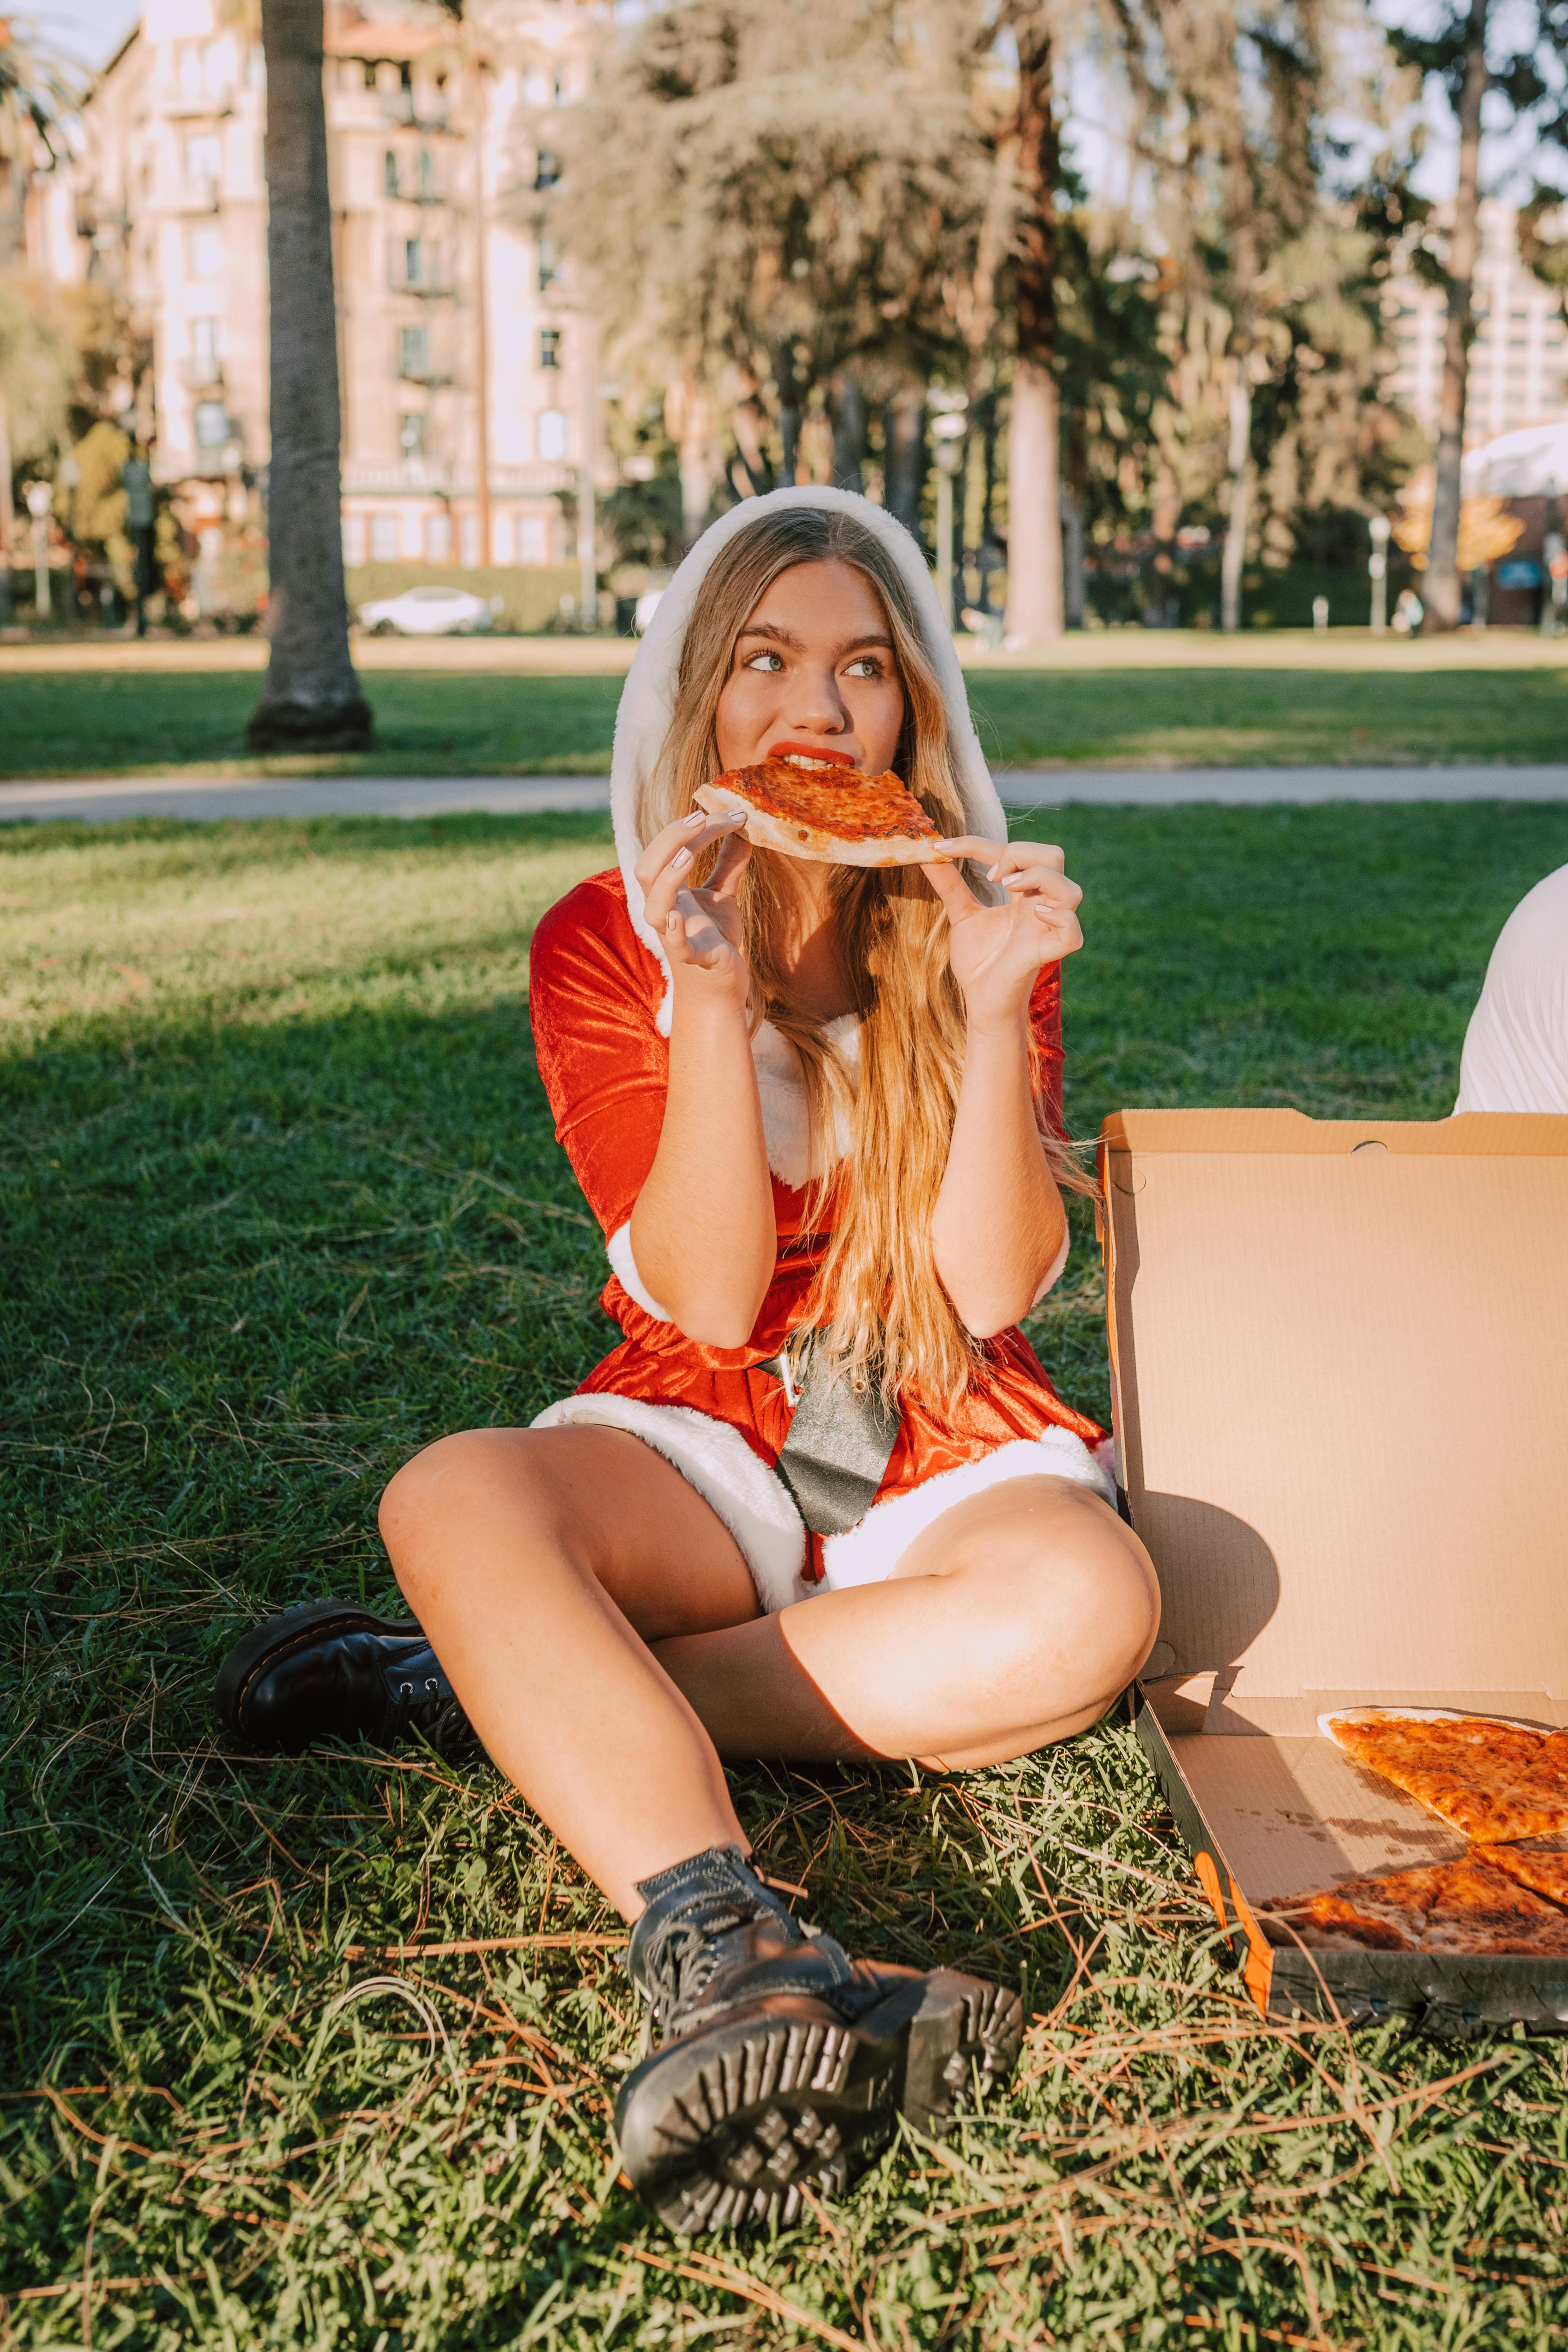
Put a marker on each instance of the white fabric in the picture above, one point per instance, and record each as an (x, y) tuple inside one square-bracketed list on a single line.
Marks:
[(759, 1510), (755, 1505), (647, 699), (624, 1266), (794, 1155), (868, 1552), (1516, 1047)]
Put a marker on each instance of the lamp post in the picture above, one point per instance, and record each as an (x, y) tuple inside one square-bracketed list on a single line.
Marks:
[(1377, 566), (40, 497), (948, 431)]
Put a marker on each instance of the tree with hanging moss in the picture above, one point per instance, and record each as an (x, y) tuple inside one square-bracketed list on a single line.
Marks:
[(1511, 63)]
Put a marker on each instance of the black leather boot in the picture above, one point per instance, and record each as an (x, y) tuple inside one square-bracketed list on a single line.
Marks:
[(782, 2065), (332, 1670)]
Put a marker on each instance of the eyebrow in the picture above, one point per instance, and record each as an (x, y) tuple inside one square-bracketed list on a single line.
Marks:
[(783, 637)]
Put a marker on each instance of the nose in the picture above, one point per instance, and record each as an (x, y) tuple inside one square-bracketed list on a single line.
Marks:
[(818, 707)]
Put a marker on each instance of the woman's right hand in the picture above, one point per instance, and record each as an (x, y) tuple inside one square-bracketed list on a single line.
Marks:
[(701, 928)]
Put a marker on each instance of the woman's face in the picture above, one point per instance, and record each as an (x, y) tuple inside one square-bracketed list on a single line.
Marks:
[(813, 678)]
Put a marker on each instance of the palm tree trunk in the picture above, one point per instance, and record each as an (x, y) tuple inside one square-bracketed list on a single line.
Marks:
[(1033, 438), (1440, 588), (903, 429), (849, 433), (312, 698), (1240, 463)]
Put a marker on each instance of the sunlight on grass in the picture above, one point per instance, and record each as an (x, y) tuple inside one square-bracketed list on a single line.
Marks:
[(282, 1202)]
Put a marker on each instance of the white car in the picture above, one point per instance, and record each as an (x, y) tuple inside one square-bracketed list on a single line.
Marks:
[(428, 613)]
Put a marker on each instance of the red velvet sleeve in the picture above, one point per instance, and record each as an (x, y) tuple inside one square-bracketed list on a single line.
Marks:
[(1045, 1040), (592, 993)]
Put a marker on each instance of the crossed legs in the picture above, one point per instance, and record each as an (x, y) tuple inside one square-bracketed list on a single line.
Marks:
[(599, 1624)]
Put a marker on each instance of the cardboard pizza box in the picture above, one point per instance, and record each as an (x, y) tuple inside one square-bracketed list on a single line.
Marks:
[(1339, 1366)]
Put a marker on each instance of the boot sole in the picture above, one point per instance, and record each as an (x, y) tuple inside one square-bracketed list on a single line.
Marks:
[(275, 1637), (734, 2125)]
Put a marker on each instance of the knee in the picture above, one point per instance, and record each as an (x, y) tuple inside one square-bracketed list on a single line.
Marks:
[(1086, 1605), (431, 1489)]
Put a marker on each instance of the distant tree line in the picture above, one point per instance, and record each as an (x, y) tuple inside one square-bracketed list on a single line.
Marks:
[(795, 218)]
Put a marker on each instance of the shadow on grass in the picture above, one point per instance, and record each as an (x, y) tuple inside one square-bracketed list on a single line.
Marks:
[(253, 1264)]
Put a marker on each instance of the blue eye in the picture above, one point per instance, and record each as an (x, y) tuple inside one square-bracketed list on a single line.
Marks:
[(759, 661)]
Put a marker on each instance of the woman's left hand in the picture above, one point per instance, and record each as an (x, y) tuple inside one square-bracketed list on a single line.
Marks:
[(996, 952)]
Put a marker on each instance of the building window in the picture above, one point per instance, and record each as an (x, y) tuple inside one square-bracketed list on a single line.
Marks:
[(354, 538), (413, 260), (438, 538), (550, 347), (470, 544), (533, 540), (547, 169), (501, 531), (389, 173), (206, 252), (414, 353), (411, 433), (204, 162), (211, 424), (426, 175), (369, 73), (207, 348), (552, 435), (383, 538), (549, 263)]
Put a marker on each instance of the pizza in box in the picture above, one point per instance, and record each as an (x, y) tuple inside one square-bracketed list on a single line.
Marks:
[(825, 811), (1505, 1785)]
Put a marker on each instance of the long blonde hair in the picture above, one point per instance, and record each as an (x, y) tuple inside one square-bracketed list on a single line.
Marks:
[(878, 1300)]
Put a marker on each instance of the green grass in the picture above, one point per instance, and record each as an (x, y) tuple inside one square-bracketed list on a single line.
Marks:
[(280, 1202), (456, 723)]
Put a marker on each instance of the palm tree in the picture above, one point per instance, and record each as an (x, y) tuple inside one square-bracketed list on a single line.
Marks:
[(312, 698), (37, 90)]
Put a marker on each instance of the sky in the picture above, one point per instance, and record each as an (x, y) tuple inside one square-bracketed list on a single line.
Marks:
[(89, 30)]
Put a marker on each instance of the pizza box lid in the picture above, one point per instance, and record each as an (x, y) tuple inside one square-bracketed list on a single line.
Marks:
[(1339, 1366)]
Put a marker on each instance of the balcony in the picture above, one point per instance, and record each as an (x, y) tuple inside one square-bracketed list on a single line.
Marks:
[(429, 289), (431, 477), (199, 374), (401, 106)]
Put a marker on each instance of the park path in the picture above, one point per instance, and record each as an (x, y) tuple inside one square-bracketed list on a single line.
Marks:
[(205, 799)]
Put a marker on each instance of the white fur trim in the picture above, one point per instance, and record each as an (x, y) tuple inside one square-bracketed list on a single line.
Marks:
[(781, 1088), (624, 1266), (752, 1501), (871, 1550), (647, 699), (1052, 1272)]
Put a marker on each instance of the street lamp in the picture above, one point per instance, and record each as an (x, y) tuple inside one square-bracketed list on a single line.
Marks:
[(948, 430), (40, 498), (1377, 567)]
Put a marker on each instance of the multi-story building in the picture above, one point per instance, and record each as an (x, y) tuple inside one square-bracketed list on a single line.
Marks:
[(467, 377), (1519, 360)]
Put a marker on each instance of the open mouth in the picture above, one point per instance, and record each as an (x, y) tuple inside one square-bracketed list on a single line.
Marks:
[(801, 755)]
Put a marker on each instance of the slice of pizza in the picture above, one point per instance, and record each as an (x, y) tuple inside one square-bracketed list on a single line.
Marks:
[(1495, 1781), (1544, 1867), (826, 812), (1447, 1907)]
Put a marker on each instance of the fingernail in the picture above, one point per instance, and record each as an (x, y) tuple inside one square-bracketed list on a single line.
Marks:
[(672, 921), (681, 858), (992, 872), (697, 816)]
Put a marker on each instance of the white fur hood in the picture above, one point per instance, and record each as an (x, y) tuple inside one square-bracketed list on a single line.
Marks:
[(643, 719)]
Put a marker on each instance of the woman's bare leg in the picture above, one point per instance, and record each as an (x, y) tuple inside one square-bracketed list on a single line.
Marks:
[(1012, 1621), (520, 1552), (598, 1624)]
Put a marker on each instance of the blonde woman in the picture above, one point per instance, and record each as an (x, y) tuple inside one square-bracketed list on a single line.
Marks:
[(822, 1501)]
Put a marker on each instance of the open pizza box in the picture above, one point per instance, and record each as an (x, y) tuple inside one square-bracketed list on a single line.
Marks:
[(1339, 1361)]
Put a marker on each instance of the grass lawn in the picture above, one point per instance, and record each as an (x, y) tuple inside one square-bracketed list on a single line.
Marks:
[(107, 721), (281, 1201)]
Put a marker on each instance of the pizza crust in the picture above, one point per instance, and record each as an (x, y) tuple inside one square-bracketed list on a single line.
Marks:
[(800, 833)]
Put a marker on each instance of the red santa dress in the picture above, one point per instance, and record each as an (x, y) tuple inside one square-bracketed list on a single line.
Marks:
[(600, 1001)]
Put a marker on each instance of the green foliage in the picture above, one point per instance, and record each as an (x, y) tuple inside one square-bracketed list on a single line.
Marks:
[(281, 1202)]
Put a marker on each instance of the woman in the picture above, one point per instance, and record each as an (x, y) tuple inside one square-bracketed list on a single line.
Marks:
[(822, 1501)]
